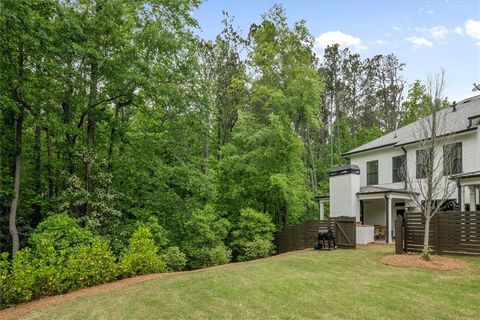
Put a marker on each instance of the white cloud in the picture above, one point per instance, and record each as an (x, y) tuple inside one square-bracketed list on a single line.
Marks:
[(436, 32), (379, 42), (419, 41), (343, 39), (398, 29), (458, 30), (472, 28)]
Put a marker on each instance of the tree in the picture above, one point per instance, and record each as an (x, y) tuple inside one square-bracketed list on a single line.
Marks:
[(435, 160)]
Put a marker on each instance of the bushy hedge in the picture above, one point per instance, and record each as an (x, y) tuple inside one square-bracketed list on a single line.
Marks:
[(175, 260), (63, 257), (141, 257), (253, 236), (204, 240)]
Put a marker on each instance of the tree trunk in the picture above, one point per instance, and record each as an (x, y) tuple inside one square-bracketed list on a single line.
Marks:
[(426, 238), (12, 222)]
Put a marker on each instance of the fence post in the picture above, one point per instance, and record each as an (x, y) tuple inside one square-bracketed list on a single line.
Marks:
[(436, 238), (399, 235)]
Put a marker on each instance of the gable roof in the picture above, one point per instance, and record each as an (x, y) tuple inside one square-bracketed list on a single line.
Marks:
[(456, 122)]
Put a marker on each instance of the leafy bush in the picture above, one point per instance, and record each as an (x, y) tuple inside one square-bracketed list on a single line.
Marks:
[(174, 259), (19, 284), (91, 265), (119, 232), (141, 255), (63, 257), (203, 244), (49, 266), (60, 231), (258, 248), (253, 236)]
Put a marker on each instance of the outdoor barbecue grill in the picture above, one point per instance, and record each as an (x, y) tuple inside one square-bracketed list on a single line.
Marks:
[(326, 239)]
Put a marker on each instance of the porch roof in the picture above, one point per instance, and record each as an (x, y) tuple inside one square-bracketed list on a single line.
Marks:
[(377, 192), (467, 178)]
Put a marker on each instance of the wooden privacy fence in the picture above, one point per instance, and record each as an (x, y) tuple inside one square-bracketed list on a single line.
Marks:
[(305, 235), (450, 233)]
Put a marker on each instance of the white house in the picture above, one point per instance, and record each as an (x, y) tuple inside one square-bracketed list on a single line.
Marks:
[(372, 189)]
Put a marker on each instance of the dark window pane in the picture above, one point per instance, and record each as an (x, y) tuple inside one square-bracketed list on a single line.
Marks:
[(452, 158), (398, 168), (372, 172), (422, 162)]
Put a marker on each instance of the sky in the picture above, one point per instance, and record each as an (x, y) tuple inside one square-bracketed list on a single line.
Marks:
[(425, 35)]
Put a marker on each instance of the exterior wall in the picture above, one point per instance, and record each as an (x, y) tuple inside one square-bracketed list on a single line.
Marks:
[(384, 157), (343, 195), (470, 163), (374, 212)]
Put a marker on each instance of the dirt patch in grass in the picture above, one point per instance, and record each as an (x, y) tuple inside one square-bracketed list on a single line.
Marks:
[(415, 261)]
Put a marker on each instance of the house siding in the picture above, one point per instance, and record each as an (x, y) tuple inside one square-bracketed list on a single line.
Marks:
[(384, 157), (470, 163)]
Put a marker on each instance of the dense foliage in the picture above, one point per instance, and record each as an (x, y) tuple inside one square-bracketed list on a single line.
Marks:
[(253, 236), (153, 142), (204, 242)]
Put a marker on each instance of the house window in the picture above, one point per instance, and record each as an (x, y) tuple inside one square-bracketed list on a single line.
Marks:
[(422, 163), (452, 158), (398, 169), (372, 172)]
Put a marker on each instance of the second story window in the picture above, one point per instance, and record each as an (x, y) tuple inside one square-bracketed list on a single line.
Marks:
[(422, 163), (452, 158), (398, 168), (372, 172)]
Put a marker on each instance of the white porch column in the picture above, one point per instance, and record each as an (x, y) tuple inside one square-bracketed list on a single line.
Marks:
[(461, 205), (473, 201), (389, 219), (322, 211)]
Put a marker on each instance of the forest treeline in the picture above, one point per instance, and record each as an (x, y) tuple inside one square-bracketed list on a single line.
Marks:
[(116, 114)]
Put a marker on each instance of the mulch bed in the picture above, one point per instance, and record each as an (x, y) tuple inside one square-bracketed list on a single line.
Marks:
[(416, 261)]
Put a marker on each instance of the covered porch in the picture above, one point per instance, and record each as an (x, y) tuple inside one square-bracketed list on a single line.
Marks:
[(468, 183), (379, 207)]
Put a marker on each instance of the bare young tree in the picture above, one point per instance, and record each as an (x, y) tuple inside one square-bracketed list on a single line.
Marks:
[(436, 160)]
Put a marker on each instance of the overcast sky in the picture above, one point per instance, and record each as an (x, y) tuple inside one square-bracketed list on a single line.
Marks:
[(426, 35)]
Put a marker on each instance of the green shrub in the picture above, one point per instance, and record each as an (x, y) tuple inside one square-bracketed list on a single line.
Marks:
[(203, 243), (141, 255), (60, 231), (174, 259), (91, 265), (49, 266), (19, 284), (258, 248), (253, 236), (4, 276), (209, 257), (63, 257)]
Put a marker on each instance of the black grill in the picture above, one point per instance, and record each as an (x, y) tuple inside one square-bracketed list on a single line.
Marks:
[(326, 240)]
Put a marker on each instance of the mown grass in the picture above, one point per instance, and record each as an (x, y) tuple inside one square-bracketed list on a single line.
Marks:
[(341, 284)]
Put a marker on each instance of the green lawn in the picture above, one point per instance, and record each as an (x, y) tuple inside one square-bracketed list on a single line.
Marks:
[(342, 284)]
